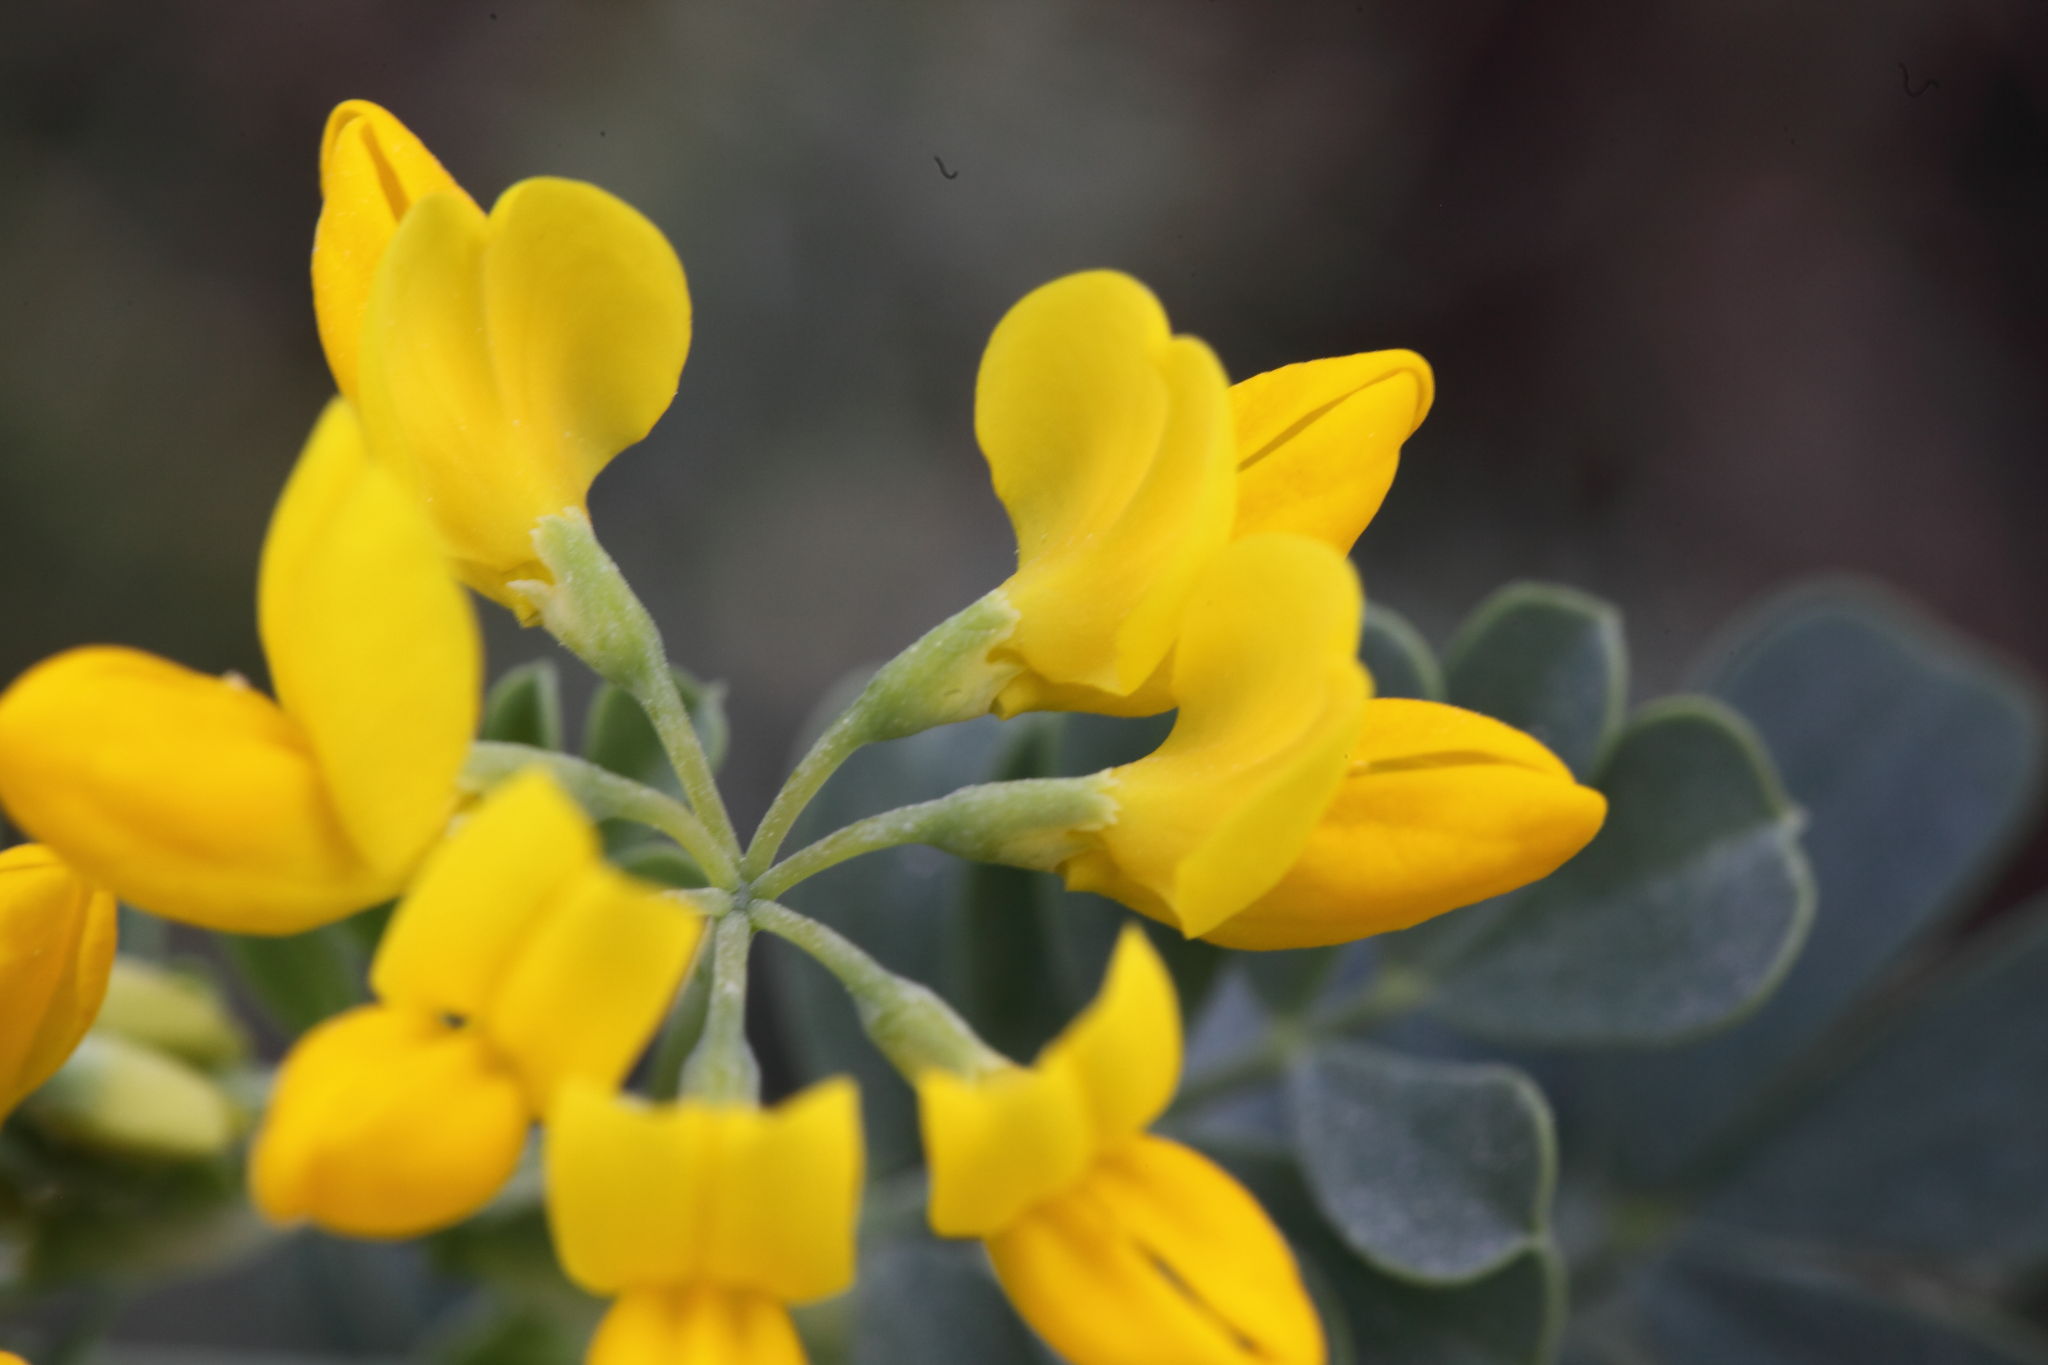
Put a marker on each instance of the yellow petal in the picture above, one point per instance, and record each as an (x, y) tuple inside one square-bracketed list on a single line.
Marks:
[(506, 360), (1159, 1256), (372, 645), (56, 952), (590, 981), (387, 1123), (479, 894), (1318, 442), (191, 796), (1108, 439), (1125, 1048), (700, 1325), (1270, 693), (763, 1200), (372, 169), (998, 1145), (1442, 808)]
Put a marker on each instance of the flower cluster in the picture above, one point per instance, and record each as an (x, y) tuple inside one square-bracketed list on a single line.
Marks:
[(1182, 546)]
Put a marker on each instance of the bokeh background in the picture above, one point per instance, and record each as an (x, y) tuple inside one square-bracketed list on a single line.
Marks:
[(1718, 295)]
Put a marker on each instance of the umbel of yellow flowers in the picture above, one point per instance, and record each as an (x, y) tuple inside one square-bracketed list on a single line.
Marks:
[(499, 360), (703, 1219), (56, 952), (199, 798), (1119, 1247), (519, 962)]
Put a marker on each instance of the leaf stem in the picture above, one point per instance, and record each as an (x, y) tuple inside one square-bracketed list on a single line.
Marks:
[(722, 1067)]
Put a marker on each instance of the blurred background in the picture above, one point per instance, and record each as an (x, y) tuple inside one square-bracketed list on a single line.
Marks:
[(1717, 295)]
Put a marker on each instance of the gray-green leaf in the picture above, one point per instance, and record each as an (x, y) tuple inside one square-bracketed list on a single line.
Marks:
[(1545, 659), (1397, 656), (1439, 1172), (1916, 759), (921, 1302), (525, 706)]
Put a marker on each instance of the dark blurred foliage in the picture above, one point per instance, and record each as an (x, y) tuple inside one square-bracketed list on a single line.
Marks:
[(1717, 294)]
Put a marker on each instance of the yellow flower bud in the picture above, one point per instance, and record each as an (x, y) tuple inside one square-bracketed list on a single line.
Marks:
[(704, 1219), (1116, 1246), (56, 949), (519, 962), (126, 1099), (1270, 693), (171, 1013), (198, 798), (501, 361), (1109, 441)]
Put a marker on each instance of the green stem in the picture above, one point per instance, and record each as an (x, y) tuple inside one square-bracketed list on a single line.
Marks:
[(914, 1028), (721, 1067), (591, 608), (947, 676), (1035, 823), (604, 795), (681, 1031)]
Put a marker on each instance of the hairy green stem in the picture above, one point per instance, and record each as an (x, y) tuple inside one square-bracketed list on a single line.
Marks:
[(914, 1028), (1035, 823), (947, 676), (722, 1067), (604, 795), (591, 608)]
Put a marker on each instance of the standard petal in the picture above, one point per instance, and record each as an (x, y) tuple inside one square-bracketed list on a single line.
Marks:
[(589, 322), (998, 1145), (763, 1200), (56, 953), (1442, 807), (479, 894), (191, 796), (1157, 1258), (1125, 1048), (387, 1123), (590, 981), (431, 404), (372, 169), (373, 647), (1318, 442), (1270, 692), (695, 1325), (1108, 440)]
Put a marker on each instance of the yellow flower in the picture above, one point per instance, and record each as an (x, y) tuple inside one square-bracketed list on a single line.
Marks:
[(1271, 692), (519, 962), (1440, 808), (200, 799), (1120, 1248), (704, 1219), (1109, 442), (500, 361), (56, 951)]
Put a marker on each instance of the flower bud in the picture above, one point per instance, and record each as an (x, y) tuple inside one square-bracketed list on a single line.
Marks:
[(56, 948), (172, 1013), (124, 1099)]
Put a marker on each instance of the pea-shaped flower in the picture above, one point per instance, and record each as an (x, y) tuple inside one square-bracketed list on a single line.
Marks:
[(500, 360), (519, 962), (56, 952), (197, 797), (1119, 1247), (702, 1219)]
